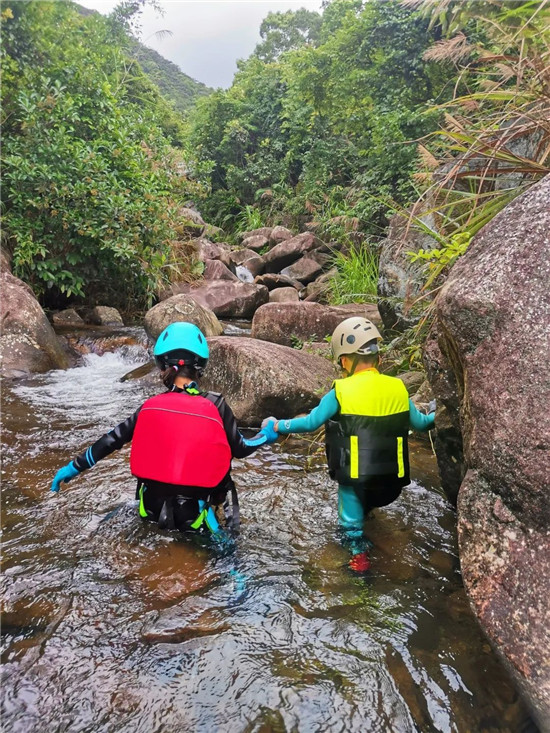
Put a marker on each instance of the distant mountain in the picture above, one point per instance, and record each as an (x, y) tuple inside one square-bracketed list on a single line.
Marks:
[(174, 85)]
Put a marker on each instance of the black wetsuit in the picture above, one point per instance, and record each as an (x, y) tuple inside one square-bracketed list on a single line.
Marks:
[(157, 492)]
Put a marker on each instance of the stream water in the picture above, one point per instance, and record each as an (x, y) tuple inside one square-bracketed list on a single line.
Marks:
[(112, 625)]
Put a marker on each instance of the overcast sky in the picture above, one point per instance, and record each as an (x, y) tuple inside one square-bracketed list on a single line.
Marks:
[(208, 36)]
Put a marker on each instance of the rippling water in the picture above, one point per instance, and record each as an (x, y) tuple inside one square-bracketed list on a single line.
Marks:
[(111, 625)]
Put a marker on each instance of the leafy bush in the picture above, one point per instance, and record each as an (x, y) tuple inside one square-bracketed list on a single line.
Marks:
[(91, 184)]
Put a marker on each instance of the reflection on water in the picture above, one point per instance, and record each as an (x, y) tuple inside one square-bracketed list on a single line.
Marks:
[(111, 625)]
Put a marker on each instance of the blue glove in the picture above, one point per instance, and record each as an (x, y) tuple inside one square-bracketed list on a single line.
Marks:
[(271, 435), (64, 474)]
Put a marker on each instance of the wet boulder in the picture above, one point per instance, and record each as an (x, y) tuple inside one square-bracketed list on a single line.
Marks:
[(280, 234), (216, 270), (284, 254), (305, 270), (488, 362), (68, 317), (227, 299), (181, 308), (259, 378), (27, 339), (284, 295), (284, 323), (104, 315)]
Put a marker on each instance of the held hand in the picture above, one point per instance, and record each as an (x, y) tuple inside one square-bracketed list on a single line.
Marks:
[(431, 406), (64, 474), (268, 429), (266, 420)]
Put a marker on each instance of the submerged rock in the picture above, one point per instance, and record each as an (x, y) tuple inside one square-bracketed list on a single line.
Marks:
[(28, 341), (259, 378), (488, 363)]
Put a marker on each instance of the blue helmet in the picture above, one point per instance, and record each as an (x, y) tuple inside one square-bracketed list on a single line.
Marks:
[(181, 344)]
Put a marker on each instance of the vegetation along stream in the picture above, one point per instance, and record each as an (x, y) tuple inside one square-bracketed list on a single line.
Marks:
[(111, 625)]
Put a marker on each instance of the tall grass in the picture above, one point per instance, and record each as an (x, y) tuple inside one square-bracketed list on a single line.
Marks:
[(357, 277)]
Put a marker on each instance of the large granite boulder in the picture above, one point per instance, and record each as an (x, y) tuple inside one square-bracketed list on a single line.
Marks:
[(259, 378), (207, 250), (284, 295), (285, 323), (305, 270), (400, 281), (284, 254), (280, 234), (104, 315), (67, 317), (249, 259), (255, 242), (28, 343), (225, 298), (216, 270), (261, 232), (493, 340), (181, 308)]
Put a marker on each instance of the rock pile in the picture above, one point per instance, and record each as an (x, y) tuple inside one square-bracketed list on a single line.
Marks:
[(271, 265)]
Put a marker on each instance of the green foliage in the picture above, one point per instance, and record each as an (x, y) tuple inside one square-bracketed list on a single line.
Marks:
[(281, 32), (175, 86), (494, 142), (357, 278), (91, 184), (318, 120)]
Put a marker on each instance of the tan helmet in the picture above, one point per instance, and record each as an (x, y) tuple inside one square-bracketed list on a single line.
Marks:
[(353, 336)]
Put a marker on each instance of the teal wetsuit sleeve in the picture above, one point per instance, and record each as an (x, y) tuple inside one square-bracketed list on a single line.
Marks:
[(327, 408), (418, 420)]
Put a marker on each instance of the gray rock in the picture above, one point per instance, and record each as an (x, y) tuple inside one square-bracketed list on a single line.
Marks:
[(400, 281), (226, 299), (259, 378), (104, 315), (216, 270), (280, 234), (492, 340), (68, 317), (28, 341), (255, 242), (305, 270), (284, 295), (284, 254), (181, 308), (249, 259), (282, 323), (190, 222), (261, 232)]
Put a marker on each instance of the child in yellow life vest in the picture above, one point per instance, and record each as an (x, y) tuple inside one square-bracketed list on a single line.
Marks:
[(367, 416)]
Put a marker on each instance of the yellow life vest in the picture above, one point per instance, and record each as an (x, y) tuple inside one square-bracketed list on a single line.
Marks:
[(368, 437)]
